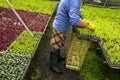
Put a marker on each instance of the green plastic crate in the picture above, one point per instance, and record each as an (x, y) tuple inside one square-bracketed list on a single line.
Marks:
[(76, 52)]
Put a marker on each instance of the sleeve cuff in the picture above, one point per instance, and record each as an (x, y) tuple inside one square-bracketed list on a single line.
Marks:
[(76, 22)]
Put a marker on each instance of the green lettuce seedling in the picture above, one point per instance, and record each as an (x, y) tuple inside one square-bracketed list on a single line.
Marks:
[(25, 44), (107, 23), (45, 7)]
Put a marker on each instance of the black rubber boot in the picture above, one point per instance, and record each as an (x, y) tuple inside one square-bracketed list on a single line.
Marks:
[(54, 61), (60, 58)]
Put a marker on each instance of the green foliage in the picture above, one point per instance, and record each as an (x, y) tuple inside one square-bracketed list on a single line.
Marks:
[(45, 7), (25, 44), (12, 65), (36, 74), (91, 69), (107, 23), (95, 69)]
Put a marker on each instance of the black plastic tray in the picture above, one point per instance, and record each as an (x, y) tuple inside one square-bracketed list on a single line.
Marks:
[(91, 38), (107, 58)]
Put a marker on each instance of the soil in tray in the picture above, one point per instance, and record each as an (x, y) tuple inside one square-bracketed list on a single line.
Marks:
[(11, 28)]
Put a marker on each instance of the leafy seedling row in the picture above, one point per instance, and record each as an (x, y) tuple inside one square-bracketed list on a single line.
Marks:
[(25, 44), (11, 28), (12, 65), (44, 7)]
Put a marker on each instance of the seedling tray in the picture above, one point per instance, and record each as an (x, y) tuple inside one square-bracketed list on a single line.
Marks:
[(76, 52), (85, 37), (100, 43), (107, 58), (94, 39), (11, 28)]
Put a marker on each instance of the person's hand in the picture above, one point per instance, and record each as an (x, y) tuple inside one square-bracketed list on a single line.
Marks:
[(91, 26)]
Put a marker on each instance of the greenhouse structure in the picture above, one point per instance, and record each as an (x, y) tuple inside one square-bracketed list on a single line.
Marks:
[(91, 53), (107, 2)]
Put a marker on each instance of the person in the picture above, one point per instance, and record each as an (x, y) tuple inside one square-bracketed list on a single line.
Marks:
[(67, 16)]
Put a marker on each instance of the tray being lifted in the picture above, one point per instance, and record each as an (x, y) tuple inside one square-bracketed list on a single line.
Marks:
[(100, 43)]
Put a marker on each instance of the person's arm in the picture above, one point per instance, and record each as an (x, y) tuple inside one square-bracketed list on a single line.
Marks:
[(86, 25), (82, 24), (75, 18), (74, 12)]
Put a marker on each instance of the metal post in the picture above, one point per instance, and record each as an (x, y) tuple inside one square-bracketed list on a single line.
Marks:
[(105, 3), (20, 19)]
